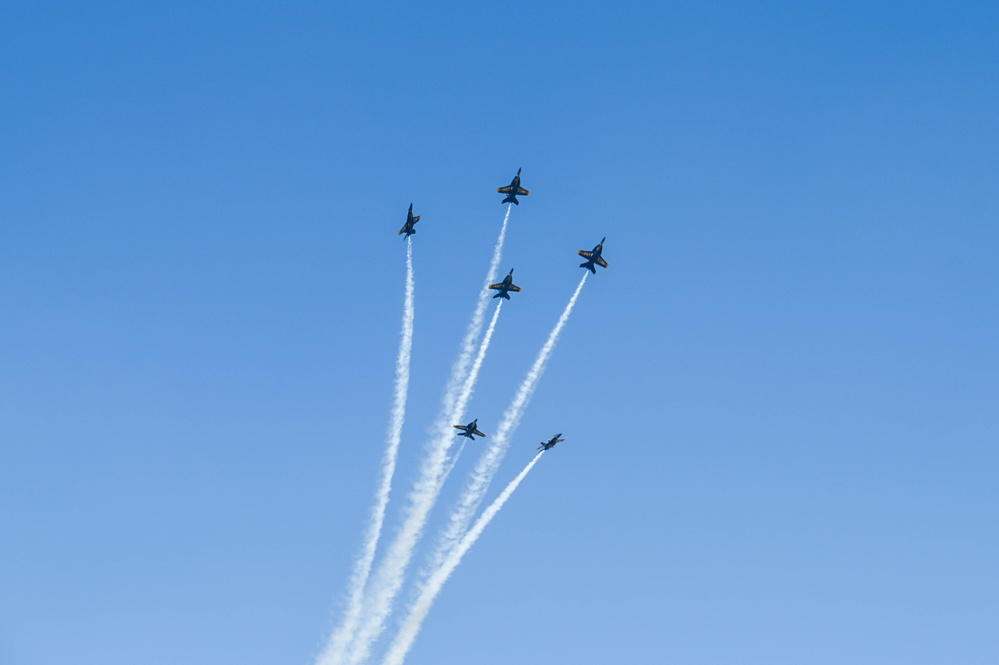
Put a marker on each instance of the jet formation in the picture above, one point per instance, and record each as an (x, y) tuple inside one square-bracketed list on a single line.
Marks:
[(513, 190), (471, 430), (548, 445), (505, 287), (593, 259)]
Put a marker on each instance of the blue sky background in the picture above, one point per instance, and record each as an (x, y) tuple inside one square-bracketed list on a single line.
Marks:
[(779, 402)]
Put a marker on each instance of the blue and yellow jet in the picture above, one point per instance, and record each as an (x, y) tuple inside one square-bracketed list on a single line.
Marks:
[(505, 287), (550, 443), (410, 221), (513, 190), (593, 257), (470, 429)]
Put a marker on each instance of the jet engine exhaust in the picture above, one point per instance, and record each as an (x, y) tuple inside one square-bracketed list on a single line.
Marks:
[(403, 641), (489, 462), (391, 573), (337, 645)]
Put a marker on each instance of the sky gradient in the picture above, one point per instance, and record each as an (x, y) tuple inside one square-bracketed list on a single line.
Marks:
[(779, 402)]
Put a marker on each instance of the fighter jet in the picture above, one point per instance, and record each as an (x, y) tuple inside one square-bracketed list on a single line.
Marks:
[(505, 287), (550, 443), (470, 429), (410, 221), (513, 190), (593, 257)]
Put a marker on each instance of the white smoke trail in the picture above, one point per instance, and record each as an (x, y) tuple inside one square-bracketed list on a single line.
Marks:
[(391, 573), (466, 393), (457, 382), (453, 460), (487, 465), (460, 370), (418, 611), (469, 386), (337, 645)]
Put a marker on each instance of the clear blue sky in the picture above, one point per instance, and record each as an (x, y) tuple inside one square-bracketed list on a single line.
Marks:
[(780, 402)]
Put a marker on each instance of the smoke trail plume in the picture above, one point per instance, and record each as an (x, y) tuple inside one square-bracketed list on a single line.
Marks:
[(487, 465), (453, 460), (466, 393), (469, 386), (458, 381), (392, 571), (337, 645), (418, 611)]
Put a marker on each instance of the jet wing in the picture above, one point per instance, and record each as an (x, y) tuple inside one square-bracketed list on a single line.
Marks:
[(505, 190), (522, 192), (498, 286), (585, 254), (478, 433), (515, 288), (601, 262)]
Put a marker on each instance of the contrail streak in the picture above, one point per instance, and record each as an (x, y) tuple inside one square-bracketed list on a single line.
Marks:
[(489, 462), (453, 460), (468, 388), (337, 645), (418, 611), (460, 369), (391, 573)]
